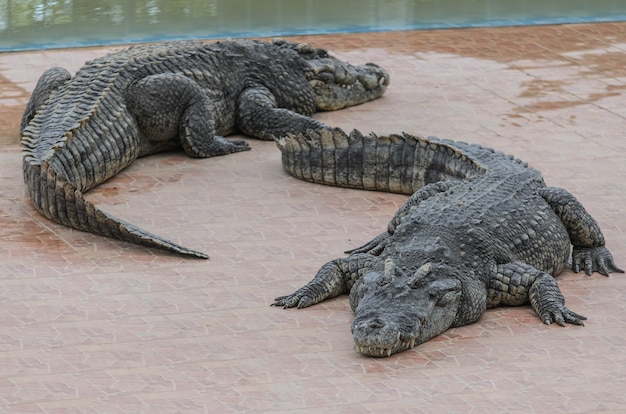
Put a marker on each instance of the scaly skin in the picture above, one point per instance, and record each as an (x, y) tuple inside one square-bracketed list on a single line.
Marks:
[(78, 131), (480, 230)]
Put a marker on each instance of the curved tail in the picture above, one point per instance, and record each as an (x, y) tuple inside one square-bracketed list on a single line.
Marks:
[(57, 199), (395, 163)]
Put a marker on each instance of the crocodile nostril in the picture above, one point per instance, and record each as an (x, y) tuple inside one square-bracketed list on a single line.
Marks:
[(375, 324), (369, 325)]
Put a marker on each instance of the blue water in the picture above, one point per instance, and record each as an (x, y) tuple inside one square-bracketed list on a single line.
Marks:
[(39, 24)]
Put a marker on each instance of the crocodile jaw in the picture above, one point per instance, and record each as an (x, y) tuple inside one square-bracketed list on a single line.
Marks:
[(386, 349), (399, 335)]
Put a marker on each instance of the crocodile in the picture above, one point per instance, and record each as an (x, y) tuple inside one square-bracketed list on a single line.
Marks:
[(79, 131), (480, 229)]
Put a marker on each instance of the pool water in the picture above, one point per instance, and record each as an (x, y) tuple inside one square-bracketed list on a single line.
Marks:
[(37, 24)]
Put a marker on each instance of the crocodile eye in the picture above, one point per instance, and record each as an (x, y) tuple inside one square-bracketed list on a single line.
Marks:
[(446, 299), (385, 280), (325, 77)]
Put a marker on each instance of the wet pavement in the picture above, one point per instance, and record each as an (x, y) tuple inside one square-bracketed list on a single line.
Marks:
[(92, 325)]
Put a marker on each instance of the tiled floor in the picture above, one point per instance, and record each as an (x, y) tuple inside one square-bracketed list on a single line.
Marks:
[(90, 325)]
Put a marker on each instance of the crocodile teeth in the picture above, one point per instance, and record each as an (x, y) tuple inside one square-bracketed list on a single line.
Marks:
[(374, 351), (410, 344)]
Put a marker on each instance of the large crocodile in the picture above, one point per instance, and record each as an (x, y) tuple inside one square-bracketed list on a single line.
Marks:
[(481, 229), (79, 131)]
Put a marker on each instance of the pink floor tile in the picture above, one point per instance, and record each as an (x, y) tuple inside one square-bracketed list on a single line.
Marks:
[(91, 325)]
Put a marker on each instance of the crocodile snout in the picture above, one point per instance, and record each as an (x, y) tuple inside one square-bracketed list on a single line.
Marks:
[(374, 337)]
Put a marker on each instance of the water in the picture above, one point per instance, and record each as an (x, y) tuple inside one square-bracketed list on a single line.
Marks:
[(37, 24)]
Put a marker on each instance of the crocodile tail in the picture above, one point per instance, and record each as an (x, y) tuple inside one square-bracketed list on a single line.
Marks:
[(60, 201), (401, 163)]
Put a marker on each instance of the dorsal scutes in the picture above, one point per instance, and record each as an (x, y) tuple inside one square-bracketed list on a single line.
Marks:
[(399, 163), (81, 100)]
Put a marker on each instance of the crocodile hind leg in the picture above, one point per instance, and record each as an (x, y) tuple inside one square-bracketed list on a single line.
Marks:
[(50, 81), (334, 278), (172, 109), (517, 283), (589, 252)]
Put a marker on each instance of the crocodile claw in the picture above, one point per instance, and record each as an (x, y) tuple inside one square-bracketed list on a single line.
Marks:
[(561, 315), (594, 259), (299, 299), (239, 145), (288, 301), (547, 300)]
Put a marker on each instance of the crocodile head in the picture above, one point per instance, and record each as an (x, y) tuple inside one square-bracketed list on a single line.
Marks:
[(337, 84), (394, 312)]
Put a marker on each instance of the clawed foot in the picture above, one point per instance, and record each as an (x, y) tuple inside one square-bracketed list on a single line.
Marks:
[(594, 259), (288, 301), (560, 314), (299, 299), (547, 300), (374, 247), (237, 145), (213, 147)]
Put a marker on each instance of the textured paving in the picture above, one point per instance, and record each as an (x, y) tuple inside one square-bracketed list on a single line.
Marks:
[(91, 325)]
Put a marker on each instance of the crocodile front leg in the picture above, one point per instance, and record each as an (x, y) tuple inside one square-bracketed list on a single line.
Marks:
[(334, 278), (173, 110), (518, 283), (585, 235), (258, 115)]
